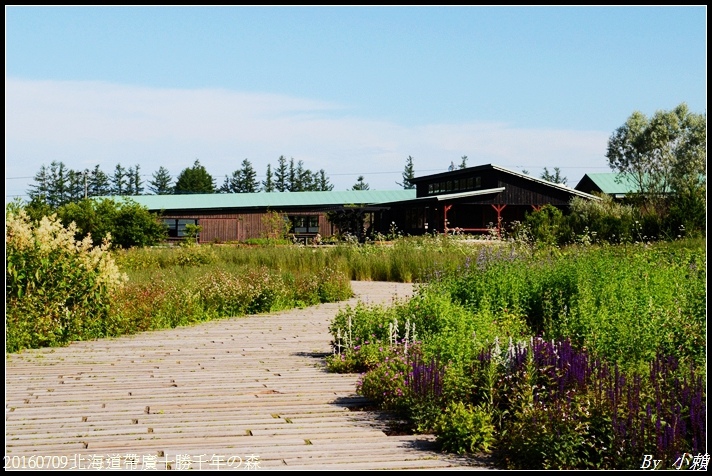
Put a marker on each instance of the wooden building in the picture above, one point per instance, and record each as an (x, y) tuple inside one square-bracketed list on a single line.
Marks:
[(470, 200), (618, 186), (476, 200), (226, 217)]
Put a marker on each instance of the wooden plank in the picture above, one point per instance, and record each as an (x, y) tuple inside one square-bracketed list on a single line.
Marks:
[(234, 387)]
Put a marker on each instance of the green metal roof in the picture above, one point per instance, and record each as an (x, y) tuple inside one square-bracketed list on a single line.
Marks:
[(269, 199), (610, 184)]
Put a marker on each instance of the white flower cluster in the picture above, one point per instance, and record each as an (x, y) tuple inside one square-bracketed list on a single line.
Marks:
[(50, 236)]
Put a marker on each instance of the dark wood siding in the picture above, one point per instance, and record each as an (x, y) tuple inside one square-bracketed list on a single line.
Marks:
[(225, 227), (218, 229)]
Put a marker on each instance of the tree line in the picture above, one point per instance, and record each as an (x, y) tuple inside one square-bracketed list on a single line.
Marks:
[(56, 184)]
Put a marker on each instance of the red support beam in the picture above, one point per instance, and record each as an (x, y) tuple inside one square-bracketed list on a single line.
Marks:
[(499, 209), (445, 210)]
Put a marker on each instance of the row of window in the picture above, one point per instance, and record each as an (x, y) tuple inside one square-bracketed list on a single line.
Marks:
[(176, 226), (299, 224), (459, 185), (304, 224)]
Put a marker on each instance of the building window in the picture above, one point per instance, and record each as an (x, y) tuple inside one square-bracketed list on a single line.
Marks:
[(415, 218), (478, 182), (176, 226), (304, 224)]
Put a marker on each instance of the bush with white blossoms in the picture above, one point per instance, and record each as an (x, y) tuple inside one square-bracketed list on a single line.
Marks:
[(57, 289)]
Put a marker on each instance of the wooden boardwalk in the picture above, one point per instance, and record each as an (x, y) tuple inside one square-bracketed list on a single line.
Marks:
[(240, 393)]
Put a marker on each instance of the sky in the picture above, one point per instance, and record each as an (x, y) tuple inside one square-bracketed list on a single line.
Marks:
[(354, 91)]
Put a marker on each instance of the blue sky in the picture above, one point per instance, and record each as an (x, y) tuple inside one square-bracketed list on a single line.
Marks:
[(351, 90)]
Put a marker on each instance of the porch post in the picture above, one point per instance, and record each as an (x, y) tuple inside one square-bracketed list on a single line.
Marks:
[(499, 209), (445, 210)]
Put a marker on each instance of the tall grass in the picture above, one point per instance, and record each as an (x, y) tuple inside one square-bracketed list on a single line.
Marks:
[(606, 358), (409, 259)]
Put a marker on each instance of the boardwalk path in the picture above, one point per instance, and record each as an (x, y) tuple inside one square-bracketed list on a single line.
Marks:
[(210, 396)]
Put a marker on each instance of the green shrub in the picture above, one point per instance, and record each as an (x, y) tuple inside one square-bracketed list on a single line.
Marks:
[(545, 224), (57, 289), (617, 307), (126, 222), (595, 220), (385, 384), (465, 429), (192, 254)]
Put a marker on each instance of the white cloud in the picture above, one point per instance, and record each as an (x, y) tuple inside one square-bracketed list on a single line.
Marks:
[(87, 123)]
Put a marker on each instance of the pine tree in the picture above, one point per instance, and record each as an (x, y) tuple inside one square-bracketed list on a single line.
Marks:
[(247, 179), (135, 184), (323, 181), (161, 183), (281, 176), (408, 174), (463, 164), (75, 185), (360, 184), (226, 186), (243, 180), (98, 183), (556, 177), (292, 186), (268, 183), (40, 190), (304, 179), (119, 181)]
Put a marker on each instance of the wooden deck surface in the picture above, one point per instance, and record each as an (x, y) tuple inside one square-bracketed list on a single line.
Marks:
[(240, 393)]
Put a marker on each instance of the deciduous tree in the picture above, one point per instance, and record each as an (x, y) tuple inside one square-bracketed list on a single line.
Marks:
[(194, 180), (661, 155)]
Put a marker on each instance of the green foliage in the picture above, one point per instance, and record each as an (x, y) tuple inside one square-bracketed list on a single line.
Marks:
[(197, 292), (57, 289), (544, 437), (592, 221), (661, 154), (360, 184), (465, 429), (334, 285), (555, 177), (275, 226), (194, 180), (36, 209), (385, 384), (127, 223), (546, 224), (161, 182), (409, 173), (192, 232), (243, 180), (623, 305), (688, 211), (189, 254)]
